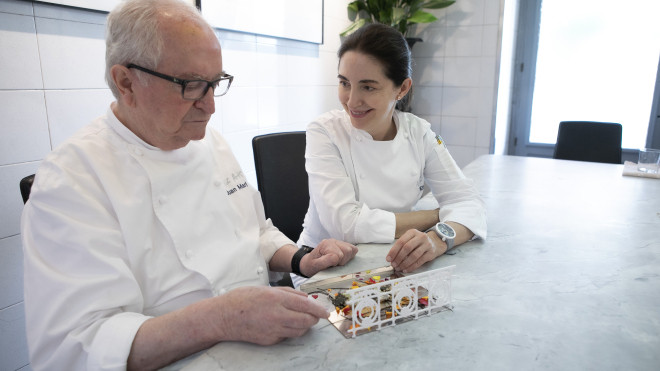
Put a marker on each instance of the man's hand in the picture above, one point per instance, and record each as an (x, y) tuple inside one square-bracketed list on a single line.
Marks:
[(265, 315), (328, 253), (413, 249), (261, 315)]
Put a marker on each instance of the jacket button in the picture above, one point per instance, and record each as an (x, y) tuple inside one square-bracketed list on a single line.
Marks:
[(162, 200), (260, 270), (189, 254)]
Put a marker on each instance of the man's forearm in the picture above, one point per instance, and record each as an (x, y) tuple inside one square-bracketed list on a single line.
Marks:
[(173, 336), (281, 260)]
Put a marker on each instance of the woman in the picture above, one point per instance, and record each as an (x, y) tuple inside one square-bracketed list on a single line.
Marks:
[(368, 164)]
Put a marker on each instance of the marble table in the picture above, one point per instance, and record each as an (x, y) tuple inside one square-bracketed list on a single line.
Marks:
[(568, 279)]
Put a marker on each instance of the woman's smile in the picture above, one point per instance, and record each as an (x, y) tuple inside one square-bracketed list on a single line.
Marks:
[(359, 114)]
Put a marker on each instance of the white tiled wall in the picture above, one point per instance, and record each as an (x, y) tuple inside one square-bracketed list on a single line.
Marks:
[(51, 84), (456, 73)]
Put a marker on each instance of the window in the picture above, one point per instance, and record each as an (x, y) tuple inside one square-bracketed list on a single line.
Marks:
[(596, 60)]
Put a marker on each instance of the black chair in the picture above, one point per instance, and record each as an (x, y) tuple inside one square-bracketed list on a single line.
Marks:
[(589, 141), (26, 185), (279, 160)]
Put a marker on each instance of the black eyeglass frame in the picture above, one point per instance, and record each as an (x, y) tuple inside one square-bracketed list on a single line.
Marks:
[(184, 83)]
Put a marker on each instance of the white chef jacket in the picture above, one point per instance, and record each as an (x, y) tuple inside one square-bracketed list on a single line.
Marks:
[(117, 231), (356, 184)]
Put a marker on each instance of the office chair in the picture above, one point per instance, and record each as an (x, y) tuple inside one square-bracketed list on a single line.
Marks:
[(26, 185), (589, 141), (279, 160)]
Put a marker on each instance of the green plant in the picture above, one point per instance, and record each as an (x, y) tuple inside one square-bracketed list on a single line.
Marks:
[(400, 14)]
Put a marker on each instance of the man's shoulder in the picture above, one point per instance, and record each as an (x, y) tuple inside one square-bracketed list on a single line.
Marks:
[(91, 137), (74, 164), (215, 140), (95, 148)]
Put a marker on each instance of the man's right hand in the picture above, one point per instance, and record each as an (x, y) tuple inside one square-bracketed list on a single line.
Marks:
[(264, 315), (329, 253)]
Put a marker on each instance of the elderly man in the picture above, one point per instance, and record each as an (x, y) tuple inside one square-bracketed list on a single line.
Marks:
[(143, 241)]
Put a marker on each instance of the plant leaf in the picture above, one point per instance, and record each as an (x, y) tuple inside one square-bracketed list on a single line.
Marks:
[(421, 16), (385, 16), (437, 4), (355, 6), (351, 11), (373, 7), (357, 9), (398, 15), (353, 27), (402, 27), (412, 3)]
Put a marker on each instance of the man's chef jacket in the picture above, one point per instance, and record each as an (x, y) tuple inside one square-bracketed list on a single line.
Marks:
[(116, 231)]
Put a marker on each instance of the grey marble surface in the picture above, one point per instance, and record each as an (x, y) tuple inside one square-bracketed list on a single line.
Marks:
[(568, 279)]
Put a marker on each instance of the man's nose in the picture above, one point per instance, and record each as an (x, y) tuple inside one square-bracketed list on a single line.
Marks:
[(207, 102)]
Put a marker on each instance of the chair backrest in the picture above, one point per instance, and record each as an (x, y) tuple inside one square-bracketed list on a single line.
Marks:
[(279, 160), (26, 185), (589, 141)]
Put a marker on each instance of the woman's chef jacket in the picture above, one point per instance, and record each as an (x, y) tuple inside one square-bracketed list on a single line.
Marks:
[(117, 231), (356, 184)]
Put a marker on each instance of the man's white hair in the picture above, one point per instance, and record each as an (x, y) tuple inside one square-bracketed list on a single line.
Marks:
[(133, 33)]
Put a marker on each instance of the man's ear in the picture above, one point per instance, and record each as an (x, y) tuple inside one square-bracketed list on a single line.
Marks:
[(124, 79)]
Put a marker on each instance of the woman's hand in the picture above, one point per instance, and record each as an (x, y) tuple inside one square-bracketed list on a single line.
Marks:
[(413, 249)]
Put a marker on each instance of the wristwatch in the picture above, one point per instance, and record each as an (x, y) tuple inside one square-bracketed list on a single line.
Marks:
[(297, 258), (446, 233)]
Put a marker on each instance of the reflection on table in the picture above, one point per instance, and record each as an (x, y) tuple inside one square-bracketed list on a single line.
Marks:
[(568, 279)]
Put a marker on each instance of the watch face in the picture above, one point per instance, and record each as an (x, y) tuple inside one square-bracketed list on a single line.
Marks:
[(446, 230)]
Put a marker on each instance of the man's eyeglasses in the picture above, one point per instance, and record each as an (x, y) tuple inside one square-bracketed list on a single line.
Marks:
[(193, 89)]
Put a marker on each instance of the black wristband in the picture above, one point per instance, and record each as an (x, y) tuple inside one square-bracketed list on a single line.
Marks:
[(297, 257)]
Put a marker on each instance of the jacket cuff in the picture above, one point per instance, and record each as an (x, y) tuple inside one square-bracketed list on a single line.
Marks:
[(113, 341)]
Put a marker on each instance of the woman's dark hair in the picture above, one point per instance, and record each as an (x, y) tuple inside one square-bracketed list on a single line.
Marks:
[(388, 46)]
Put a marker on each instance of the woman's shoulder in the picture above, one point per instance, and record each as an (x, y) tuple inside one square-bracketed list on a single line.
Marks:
[(330, 118), (415, 125), (333, 123)]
